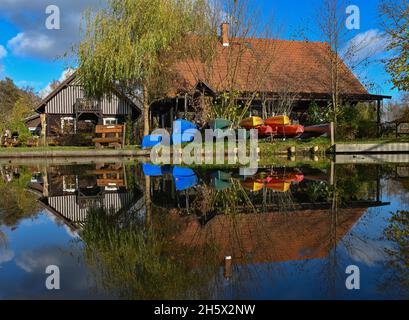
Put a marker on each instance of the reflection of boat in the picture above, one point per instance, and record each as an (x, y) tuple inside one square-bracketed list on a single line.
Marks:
[(278, 185), (183, 183), (265, 131), (221, 180), (315, 131), (151, 170), (184, 178), (290, 131), (184, 131), (182, 172), (220, 124), (294, 177), (252, 185), (251, 122), (278, 120)]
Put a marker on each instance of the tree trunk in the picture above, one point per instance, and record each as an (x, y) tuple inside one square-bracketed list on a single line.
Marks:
[(146, 112)]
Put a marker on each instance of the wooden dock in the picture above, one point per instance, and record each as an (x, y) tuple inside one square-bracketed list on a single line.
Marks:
[(371, 148)]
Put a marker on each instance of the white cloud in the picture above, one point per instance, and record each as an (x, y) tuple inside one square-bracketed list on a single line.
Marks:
[(34, 39), (64, 75), (365, 45), (3, 52), (30, 43), (6, 255)]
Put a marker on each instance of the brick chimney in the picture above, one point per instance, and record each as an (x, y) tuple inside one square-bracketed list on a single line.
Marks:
[(225, 34)]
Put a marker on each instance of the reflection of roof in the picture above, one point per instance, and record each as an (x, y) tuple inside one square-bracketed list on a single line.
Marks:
[(274, 237), (70, 210)]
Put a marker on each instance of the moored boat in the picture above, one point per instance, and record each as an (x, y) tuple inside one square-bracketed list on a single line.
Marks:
[(265, 131), (290, 131), (220, 124), (278, 186), (150, 141), (252, 185), (278, 120), (315, 131), (183, 131), (252, 123)]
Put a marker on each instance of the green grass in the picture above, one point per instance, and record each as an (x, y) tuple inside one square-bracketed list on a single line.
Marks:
[(272, 148), (43, 149)]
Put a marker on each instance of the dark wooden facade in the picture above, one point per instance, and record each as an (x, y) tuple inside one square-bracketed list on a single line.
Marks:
[(67, 110)]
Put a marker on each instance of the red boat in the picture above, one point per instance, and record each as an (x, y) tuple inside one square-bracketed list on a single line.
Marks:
[(290, 131), (265, 131)]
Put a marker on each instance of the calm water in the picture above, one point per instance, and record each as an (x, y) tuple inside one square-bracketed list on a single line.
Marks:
[(120, 230)]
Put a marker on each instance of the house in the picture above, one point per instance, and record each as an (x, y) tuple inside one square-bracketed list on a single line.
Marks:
[(69, 195), (278, 76), (67, 110)]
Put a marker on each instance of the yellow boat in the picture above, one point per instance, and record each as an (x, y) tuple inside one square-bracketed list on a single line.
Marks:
[(252, 185), (279, 186), (251, 122), (278, 120)]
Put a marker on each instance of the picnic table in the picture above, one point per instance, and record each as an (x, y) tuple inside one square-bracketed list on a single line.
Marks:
[(110, 136)]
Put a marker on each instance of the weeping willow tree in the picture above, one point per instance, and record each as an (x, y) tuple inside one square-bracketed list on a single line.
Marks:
[(133, 44), (137, 261)]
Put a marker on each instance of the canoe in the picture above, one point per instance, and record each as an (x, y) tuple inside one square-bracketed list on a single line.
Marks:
[(265, 131), (151, 141), (278, 120), (183, 131), (220, 124), (279, 185), (290, 131), (252, 185), (221, 180), (182, 172), (316, 131), (151, 170), (251, 122), (184, 183), (294, 177)]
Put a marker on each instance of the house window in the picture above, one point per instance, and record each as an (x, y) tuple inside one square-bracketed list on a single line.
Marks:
[(110, 121), (69, 184), (68, 124)]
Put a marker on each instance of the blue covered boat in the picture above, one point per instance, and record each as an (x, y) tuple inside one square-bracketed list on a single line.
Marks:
[(183, 172), (183, 183), (151, 141), (183, 131), (151, 170)]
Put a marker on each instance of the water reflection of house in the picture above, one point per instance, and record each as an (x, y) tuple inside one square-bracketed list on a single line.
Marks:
[(297, 198), (270, 237), (69, 192)]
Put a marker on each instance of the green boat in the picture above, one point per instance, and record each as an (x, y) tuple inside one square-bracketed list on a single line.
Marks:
[(220, 124), (221, 180)]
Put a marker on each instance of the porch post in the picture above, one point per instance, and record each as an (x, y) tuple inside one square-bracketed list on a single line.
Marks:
[(378, 118)]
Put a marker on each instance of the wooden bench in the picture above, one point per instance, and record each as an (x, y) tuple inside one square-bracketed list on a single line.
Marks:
[(111, 136)]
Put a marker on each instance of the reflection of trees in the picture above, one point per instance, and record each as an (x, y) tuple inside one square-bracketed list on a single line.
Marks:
[(139, 261), (397, 275), (17, 203)]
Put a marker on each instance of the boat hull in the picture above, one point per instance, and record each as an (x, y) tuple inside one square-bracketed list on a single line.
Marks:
[(316, 131), (290, 131), (265, 131), (252, 123), (278, 120)]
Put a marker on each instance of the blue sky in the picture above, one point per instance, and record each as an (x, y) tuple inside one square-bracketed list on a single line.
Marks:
[(29, 52)]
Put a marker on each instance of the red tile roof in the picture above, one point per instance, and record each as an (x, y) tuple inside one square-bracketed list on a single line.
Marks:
[(266, 65)]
